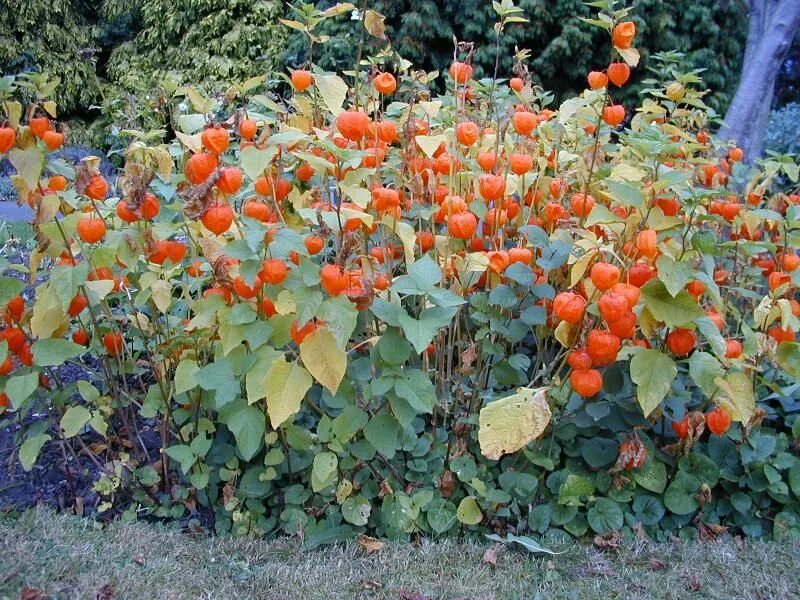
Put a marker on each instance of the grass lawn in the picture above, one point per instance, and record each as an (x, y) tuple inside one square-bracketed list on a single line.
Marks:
[(68, 557)]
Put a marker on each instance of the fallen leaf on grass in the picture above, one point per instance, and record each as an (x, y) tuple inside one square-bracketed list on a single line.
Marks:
[(491, 554), (105, 593), (412, 596), (369, 584), (602, 571), (31, 594), (657, 565), (139, 559), (611, 540), (526, 542), (693, 583), (370, 545)]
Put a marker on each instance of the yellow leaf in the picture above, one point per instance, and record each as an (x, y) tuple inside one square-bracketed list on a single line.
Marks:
[(48, 314), (340, 8), (429, 143), (192, 142), (360, 196), (343, 490), (406, 234), (736, 396), (286, 386), (469, 512), (14, 112), (50, 107), (163, 161), (477, 262), (285, 303), (28, 163), (256, 377), (580, 266), (323, 358), (432, 108), (96, 291), (507, 425), (162, 294), (565, 334), (626, 172), (333, 91), (201, 104), (48, 208), (629, 55), (141, 321), (374, 24), (349, 213)]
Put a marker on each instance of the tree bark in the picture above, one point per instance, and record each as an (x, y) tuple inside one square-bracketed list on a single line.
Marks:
[(772, 25)]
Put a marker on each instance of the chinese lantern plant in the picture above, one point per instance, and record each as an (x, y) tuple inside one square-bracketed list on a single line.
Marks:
[(418, 314)]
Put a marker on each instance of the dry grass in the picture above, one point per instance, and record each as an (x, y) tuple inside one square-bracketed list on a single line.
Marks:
[(67, 557)]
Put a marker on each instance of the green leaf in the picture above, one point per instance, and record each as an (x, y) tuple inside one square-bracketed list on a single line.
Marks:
[(74, 419), (788, 356), (349, 423), (601, 215), (711, 332), (680, 495), (420, 331), (255, 160), (383, 432), (425, 273), (54, 352), (10, 287), (323, 472), (653, 372), (322, 533), (676, 311), (256, 376), (183, 455), (340, 316), (700, 466), (652, 475), (605, 516), (573, 489), (29, 451), (625, 193), (794, 479), (386, 311), (247, 425), (415, 387), (219, 377), (649, 510), (469, 513), (675, 275), (356, 510), (308, 301), (704, 369), (185, 376), (441, 515), (393, 348), (20, 387)]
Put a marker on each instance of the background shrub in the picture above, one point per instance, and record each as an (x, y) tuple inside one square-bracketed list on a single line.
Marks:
[(783, 131)]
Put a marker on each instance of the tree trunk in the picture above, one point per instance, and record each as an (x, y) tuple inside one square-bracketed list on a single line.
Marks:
[(771, 27)]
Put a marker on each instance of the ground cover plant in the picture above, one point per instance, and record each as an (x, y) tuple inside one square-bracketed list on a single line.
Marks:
[(360, 308)]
